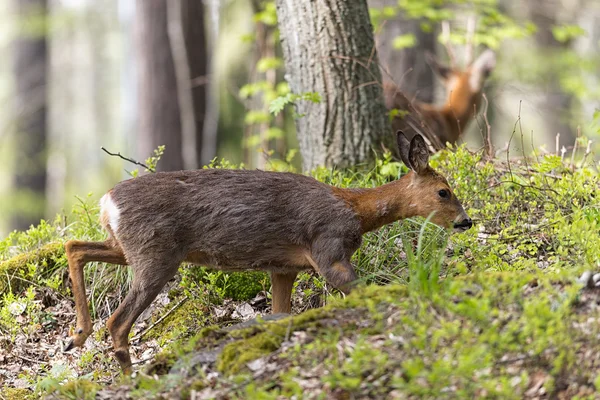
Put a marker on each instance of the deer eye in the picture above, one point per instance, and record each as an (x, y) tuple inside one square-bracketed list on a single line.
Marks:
[(444, 194)]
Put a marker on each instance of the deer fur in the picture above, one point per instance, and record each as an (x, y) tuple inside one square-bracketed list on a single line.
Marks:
[(238, 220), (464, 89)]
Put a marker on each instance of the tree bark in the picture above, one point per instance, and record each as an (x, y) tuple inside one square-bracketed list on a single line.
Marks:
[(159, 114), (30, 71), (328, 48), (557, 103), (194, 30)]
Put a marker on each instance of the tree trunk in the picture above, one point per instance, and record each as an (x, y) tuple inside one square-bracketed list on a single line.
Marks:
[(159, 119), (328, 48), (557, 103), (193, 21), (30, 69), (407, 67)]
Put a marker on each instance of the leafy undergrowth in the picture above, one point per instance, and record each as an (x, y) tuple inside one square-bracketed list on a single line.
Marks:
[(495, 335), (492, 312)]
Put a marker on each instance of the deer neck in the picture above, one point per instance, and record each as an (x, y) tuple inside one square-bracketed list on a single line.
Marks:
[(457, 111), (460, 104), (382, 205)]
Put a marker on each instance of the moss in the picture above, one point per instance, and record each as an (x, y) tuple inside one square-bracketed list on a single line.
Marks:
[(244, 286), (45, 259), (187, 318), (235, 355), (263, 339), (207, 331), (239, 286), (16, 394), (80, 389)]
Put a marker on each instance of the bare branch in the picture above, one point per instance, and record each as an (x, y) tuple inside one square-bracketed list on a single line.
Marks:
[(572, 163), (489, 147), (131, 160)]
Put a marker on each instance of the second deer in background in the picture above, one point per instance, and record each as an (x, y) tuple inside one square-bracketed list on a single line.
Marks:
[(463, 94)]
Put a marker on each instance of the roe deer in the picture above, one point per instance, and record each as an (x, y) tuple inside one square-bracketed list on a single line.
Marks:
[(239, 220), (463, 88)]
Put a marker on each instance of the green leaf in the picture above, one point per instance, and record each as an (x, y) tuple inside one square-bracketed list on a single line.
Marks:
[(394, 112), (565, 33), (278, 104), (404, 41), (256, 117), (251, 89), (267, 63)]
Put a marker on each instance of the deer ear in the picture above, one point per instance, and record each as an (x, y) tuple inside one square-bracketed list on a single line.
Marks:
[(404, 148), (441, 70), (418, 154), (485, 63)]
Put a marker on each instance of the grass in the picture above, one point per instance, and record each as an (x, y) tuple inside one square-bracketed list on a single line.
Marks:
[(492, 312)]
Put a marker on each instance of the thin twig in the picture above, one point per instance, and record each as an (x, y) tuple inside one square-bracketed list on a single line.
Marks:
[(489, 147), (588, 150), (143, 360), (31, 360), (572, 163), (131, 160), (161, 319), (502, 150)]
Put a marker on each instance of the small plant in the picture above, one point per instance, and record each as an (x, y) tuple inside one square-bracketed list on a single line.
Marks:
[(425, 262)]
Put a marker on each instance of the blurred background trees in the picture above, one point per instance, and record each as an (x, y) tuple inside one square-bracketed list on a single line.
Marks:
[(30, 105), (203, 77)]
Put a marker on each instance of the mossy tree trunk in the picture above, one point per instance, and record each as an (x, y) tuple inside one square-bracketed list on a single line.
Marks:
[(328, 48), (31, 75)]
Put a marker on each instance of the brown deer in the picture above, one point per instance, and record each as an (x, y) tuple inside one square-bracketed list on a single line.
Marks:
[(464, 89), (239, 220)]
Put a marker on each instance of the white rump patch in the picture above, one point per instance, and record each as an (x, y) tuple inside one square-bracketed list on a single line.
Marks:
[(109, 208)]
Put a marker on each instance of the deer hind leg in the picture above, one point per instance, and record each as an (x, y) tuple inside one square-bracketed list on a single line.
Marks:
[(149, 277), (78, 254), (281, 289)]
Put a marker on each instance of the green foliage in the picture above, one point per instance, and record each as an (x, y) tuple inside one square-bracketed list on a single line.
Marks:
[(394, 112), (278, 104), (151, 162), (565, 33), (493, 26), (404, 41), (268, 14), (267, 63), (458, 304), (226, 285), (425, 262)]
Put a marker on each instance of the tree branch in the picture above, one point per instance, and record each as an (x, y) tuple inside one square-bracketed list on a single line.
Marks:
[(131, 160)]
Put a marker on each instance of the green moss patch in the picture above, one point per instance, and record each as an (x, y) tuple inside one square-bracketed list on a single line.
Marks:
[(16, 271), (493, 335)]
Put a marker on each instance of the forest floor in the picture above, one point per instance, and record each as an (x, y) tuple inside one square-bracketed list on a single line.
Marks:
[(508, 309)]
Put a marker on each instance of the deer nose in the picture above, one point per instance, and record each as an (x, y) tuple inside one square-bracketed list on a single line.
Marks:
[(464, 224)]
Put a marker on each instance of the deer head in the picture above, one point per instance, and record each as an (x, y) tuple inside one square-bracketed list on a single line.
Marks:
[(429, 192)]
